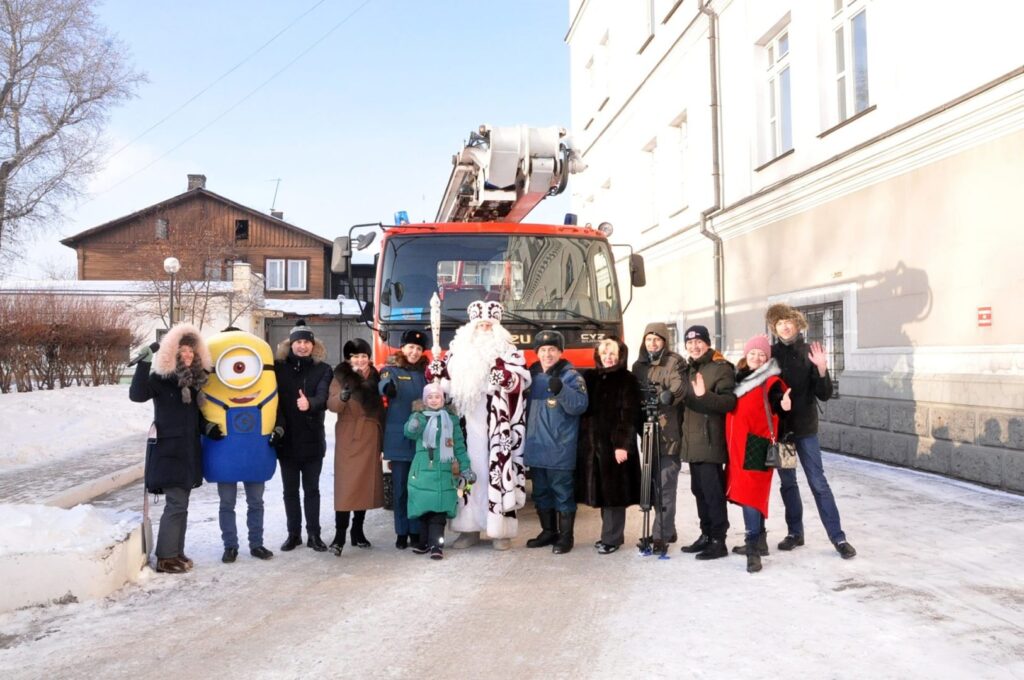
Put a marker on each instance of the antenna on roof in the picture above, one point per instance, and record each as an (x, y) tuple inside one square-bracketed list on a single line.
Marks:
[(277, 186)]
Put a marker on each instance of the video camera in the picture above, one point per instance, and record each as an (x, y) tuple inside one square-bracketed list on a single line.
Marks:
[(654, 395)]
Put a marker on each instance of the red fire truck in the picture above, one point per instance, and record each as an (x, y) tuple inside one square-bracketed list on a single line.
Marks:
[(546, 276)]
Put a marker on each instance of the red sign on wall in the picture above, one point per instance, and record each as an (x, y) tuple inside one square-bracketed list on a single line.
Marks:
[(984, 316)]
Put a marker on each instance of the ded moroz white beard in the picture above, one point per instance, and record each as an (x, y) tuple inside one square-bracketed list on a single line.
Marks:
[(472, 357)]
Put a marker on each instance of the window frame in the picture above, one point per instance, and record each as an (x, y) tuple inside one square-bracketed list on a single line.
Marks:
[(275, 261), (305, 275), (849, 97), (779, 111)]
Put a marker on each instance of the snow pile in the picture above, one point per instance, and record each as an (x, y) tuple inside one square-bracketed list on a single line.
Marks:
[(44, 529), (46, 425)]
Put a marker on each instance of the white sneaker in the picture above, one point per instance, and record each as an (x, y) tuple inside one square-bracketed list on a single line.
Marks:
[(501, 543)]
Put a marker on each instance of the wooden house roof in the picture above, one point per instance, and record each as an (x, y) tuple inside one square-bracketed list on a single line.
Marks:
[(73, 241)]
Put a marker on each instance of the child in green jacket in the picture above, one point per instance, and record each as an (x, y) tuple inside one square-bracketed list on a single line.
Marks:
[(438, 466)]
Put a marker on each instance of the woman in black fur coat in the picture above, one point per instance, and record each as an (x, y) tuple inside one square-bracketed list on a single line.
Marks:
[(608, 461)]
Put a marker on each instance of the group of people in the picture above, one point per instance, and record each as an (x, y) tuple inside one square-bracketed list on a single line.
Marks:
[(459, 432)]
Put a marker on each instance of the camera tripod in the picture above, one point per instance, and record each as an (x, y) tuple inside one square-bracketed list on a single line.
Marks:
[(650, 488)]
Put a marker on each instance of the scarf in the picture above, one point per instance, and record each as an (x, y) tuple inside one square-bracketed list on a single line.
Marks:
[(791, 341), (189, 377), (430, 433)]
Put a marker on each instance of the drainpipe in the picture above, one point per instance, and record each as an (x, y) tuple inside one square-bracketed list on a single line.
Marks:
[(716, 177)]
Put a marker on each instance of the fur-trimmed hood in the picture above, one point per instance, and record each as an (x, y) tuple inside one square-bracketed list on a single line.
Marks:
[(756, 378), (165, 359), (285, 347)]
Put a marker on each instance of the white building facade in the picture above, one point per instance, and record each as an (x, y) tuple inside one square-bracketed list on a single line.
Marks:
[(862, 160)]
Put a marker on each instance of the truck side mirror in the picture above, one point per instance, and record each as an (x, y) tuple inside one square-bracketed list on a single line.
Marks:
[(341, 254), (637, 276)]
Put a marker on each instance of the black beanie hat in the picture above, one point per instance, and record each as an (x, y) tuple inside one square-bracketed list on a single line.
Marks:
[(356, 346), (549, 338), (414, 337), (697, 333), (300, 331)]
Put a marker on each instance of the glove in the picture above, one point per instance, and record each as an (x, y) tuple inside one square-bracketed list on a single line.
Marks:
[(468, 476), (145, 354), (555, 385), (390, 390), (212, 430), (276, 435), (346, 394)]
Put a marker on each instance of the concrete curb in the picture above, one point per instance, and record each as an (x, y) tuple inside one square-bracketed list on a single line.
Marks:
[(86, 491)]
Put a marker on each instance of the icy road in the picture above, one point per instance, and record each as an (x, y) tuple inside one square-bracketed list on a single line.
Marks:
[(936, 591)]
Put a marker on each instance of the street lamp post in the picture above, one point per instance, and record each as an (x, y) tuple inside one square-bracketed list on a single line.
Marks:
[(171, 266)]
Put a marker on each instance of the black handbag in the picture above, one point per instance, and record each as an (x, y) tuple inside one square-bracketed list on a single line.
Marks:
[(781, 455)]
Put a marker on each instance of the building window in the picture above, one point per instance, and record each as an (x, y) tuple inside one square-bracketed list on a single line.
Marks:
[(163, 228), (286, 275), (297, 275), (780, 113), (850, 37), (274, 275), (825, 325), (241, 230)]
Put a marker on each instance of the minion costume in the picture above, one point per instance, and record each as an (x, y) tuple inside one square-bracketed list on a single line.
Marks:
[(240, 399)]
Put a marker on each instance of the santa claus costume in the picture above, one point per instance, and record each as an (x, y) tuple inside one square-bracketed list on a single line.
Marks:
[(488, 378)]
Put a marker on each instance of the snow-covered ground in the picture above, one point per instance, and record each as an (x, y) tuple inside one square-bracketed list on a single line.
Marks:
[(935, 592), (83, 528), (46, 425)]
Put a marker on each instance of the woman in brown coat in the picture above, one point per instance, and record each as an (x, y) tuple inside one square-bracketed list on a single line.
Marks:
[(358, 481)]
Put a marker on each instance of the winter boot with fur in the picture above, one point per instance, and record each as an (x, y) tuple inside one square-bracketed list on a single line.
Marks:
[(548, 534), (566, 524)]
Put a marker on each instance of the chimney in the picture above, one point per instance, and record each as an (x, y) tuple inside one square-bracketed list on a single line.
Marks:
[(196, 182), (278, 214)]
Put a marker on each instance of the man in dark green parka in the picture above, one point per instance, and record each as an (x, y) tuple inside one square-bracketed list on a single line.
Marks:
[(709, 396)]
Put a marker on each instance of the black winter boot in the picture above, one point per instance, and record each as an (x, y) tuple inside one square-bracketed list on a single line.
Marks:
[(358, 537), (293, 542), (316, 543), (753, 546), (762, 546), (341, 519), (566, 524), (697, 546), (549, 531), (716, 548)]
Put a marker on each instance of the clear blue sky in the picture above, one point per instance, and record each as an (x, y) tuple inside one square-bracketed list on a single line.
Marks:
[(363, 125)]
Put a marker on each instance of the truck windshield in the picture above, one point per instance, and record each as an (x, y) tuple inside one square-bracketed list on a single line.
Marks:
[(540, 279)]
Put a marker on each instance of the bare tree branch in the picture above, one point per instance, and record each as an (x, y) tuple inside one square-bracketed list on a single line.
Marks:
[(61, 74)]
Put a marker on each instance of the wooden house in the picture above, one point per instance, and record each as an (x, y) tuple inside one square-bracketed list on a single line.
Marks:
[(207, 233)]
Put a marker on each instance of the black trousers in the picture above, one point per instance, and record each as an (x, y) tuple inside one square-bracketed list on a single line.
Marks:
[(433, 524), (309, 472), (707, 482)]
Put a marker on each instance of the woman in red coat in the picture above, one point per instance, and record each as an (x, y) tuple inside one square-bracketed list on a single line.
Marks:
[(748, 480)]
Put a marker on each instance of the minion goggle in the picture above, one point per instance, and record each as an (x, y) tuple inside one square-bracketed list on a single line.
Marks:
[(240, 367)]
